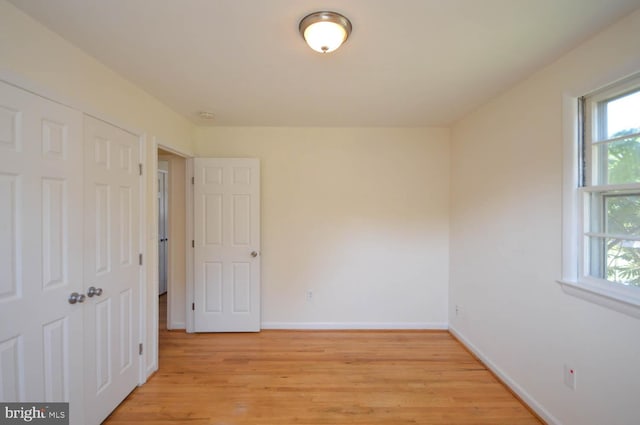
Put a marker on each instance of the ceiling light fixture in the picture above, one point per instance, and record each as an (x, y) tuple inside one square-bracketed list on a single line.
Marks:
[(324, 32), (206, 115)]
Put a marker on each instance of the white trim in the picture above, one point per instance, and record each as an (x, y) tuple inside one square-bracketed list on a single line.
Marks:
[(506, 379), (620, 87), (174, 151), (26, 84), (355, 325), (171, 324), (628, 187), (189, 313), (614, 139), (612, 236), (152, 261), (569, 184), (168, 253), (595, 294), (32, 87), (142, 284)]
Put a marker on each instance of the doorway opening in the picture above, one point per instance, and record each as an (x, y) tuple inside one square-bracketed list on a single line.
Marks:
[(171, 169), (163, 226)]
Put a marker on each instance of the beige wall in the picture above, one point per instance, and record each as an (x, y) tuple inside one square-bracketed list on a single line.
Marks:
[(32, 56), (358, 216), (506, 201), (40, 57)]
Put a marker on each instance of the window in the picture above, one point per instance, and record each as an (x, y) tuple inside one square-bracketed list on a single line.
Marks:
[(608, 192)]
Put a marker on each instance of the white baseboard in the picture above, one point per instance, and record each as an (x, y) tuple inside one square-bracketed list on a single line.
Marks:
[(151, 369), (525, 396), (354, 326), (177, 325)]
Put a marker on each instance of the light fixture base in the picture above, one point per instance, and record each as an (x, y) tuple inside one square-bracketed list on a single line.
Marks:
[(206, 115)]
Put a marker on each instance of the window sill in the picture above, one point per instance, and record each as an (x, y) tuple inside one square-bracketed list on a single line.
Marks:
[(597, 295)]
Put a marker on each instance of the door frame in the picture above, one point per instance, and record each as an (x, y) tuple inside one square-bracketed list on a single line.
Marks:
[(175, 281), (163, 196), (190, 314), (20, 82), (153, 256)]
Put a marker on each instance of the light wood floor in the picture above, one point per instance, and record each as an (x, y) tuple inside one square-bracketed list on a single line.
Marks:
[(330, 378)]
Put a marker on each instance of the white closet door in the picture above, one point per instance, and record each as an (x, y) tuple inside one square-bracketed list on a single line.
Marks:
[(40, 250), (112, 247)]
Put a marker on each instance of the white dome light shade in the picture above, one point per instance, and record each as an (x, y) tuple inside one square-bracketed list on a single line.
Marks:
[(324, 32)]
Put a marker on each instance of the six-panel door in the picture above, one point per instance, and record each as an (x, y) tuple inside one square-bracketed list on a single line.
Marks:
[(227, 245), (111, 267), (41, 353)]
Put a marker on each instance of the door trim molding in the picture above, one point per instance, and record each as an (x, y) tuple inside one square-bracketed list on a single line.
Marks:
[(189, 313), (153, 168), (33, 87), (145, 255), (174, 285)]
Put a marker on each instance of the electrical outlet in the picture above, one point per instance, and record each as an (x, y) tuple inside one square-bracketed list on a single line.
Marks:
[(570, 377), (309, 295), (458, 310)]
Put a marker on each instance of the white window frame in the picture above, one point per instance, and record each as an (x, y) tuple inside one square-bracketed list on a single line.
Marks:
[(575, 276)]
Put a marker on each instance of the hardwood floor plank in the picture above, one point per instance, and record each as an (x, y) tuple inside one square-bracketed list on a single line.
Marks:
[(318, 378)]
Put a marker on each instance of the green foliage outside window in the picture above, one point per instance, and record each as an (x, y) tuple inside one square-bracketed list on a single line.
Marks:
[(623, 211)]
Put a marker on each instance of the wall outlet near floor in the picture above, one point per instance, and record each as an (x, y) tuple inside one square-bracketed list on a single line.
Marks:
[(570, 377), (309, 295)]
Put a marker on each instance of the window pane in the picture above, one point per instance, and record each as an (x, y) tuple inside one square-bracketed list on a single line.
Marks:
[(623, 214), (621, 263), (623, 115), (617, 162), (596, 257), (595, 212)]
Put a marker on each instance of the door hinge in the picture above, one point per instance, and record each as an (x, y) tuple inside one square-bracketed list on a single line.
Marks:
[(193, 180), (140, 349), (193, 306), (193, 243), (140, 168), (140, 259)]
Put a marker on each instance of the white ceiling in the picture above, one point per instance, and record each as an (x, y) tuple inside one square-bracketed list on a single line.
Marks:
[(407, 62)]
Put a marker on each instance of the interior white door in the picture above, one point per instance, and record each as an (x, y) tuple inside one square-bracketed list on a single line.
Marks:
[(163, 240), (40, 250), (227, 245), (112, 269)]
